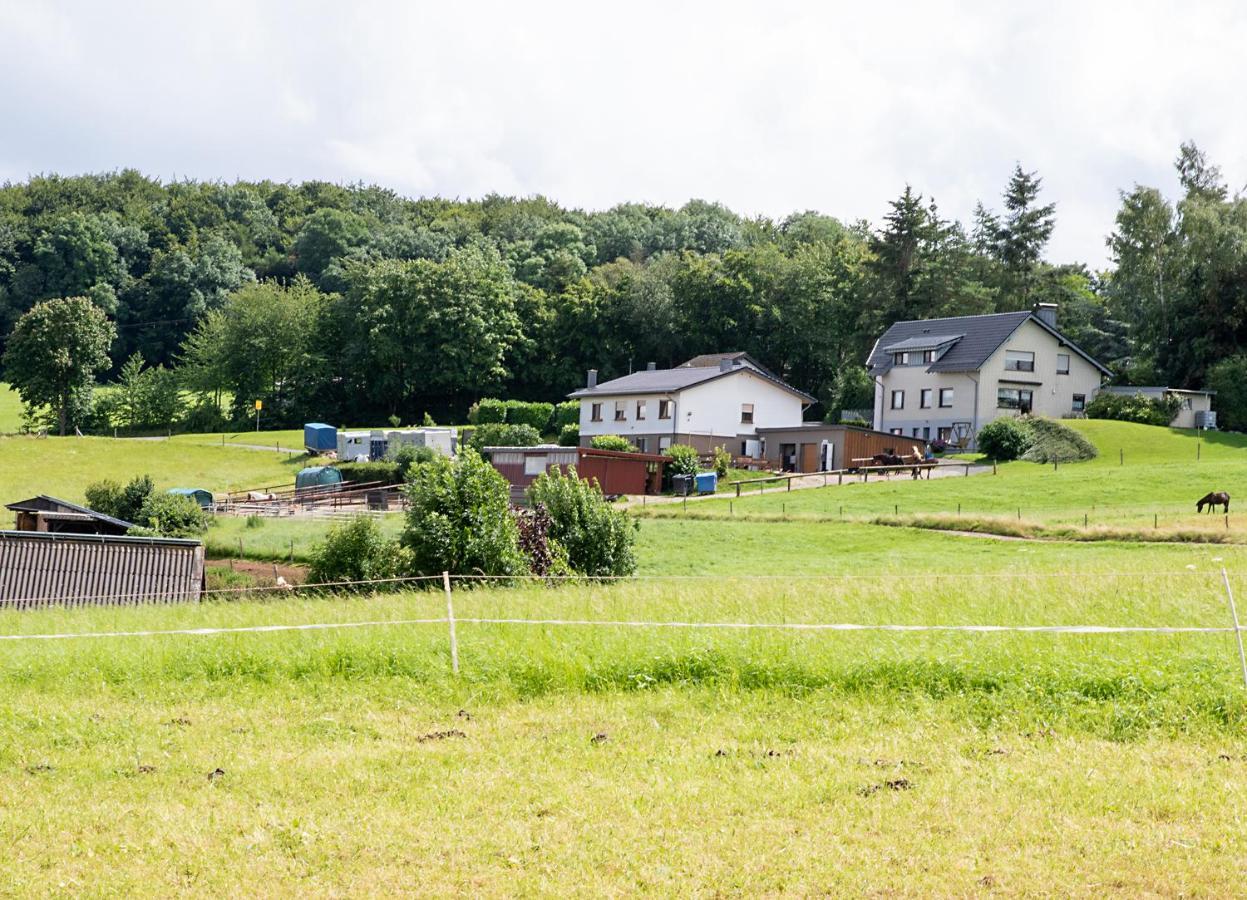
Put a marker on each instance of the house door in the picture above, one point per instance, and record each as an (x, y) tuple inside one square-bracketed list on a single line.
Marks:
[(809, 457)]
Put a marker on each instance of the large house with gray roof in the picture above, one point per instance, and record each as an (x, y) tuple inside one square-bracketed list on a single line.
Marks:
[(714, 400), (946, 378)]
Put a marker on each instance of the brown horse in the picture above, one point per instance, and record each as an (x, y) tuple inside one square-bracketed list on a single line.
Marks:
[(1213, 500)]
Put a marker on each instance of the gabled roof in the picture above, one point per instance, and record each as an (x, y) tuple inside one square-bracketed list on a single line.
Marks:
[(978, 337), (716, 359), (45, 504), (667, 381)]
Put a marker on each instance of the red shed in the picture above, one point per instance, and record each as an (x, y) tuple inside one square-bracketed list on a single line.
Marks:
[(616, 472)]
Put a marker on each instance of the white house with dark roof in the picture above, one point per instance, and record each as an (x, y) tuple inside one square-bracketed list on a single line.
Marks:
[(947, 378), (710, 401)]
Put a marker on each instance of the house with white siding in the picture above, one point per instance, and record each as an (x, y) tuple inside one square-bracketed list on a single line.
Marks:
[(715, 400), (944, 379)]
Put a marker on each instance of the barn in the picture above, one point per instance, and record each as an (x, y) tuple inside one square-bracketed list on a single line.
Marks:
[(40, 568), (616, 472)]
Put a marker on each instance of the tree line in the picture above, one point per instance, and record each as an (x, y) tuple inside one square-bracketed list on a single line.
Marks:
[(352, 303)]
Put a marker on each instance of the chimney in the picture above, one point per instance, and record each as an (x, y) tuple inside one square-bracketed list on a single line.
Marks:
[(1046, 313), (725, 365), (593, 378), (651, 367)]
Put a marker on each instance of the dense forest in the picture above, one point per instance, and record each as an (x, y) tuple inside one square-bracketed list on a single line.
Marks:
[(351, 303)]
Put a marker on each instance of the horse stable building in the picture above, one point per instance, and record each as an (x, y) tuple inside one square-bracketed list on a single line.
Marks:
[(616, 472)]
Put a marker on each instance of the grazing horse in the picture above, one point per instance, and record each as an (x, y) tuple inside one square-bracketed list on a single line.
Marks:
[(1213, 500)]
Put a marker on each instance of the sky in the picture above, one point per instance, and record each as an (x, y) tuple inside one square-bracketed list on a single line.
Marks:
[(767, 107)]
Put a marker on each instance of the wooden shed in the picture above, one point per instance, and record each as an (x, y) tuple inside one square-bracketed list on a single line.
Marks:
[(45, 568), (816, 447), (616, 472), (44, 513)]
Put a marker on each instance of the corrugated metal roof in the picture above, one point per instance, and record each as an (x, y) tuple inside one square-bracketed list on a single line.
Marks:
[(40, 568), (981, 337)]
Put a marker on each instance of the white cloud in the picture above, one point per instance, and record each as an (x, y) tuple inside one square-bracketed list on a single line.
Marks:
[(769, 109)]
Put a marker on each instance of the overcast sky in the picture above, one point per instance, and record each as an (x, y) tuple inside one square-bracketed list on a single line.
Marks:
[(768, 107)]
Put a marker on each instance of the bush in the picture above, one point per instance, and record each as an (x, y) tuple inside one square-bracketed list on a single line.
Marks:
[(406, 456), (171, 515), (501, 435), (684, 460), (535, 414), (1004, 439), (358, 550), (1133, 408), (487, 411), (368, 472), (569, 436), (566, 413), (1053, 442), (125, 503), (459, 519), (722, 462), (545, 555), (612, 442), (597, 538)]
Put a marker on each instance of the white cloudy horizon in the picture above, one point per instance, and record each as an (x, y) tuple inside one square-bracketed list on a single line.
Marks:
[(768, 109)]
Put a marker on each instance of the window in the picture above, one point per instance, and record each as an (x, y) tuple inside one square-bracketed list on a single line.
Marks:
[(595, 412), (917, 431), (640, 410), (1019, 361), (663, 443), (621, 411), (1080, 402), (898, 399), (924, 398), (535, 464), (901, 359), (746, 413), (945, 434), (664, 409), (899, 432), (1186, 403), (928, 356), (926, 432), (642, 444), (946, 398), (1062, 363), (1013, 398)]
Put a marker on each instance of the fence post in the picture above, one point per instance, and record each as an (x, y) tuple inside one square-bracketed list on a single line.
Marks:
[(1121, 457), (738, 489), (450, 617), (790, 483), (1238, 633)]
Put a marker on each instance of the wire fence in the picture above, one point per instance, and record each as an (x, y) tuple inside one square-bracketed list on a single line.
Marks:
[(452, 621)]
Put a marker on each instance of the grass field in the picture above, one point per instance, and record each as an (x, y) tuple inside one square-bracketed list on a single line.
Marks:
[(582, 759)]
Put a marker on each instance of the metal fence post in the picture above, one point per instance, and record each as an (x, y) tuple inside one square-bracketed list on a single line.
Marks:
[(1238, 632), (450, 617)]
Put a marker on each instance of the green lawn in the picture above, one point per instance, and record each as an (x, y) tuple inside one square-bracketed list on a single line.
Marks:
[(10, 410)]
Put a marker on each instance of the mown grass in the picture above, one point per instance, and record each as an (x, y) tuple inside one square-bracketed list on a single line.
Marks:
[(63, 467), (10, 410)]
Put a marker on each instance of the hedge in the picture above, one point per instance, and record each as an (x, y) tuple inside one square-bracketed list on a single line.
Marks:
[(536, 415), (566, 413)]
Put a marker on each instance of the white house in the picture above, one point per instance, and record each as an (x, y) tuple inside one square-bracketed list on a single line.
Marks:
[(947, 378), (714, 400)]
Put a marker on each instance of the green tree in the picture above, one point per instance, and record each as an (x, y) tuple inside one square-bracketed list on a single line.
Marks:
[(1023, 231), (1229, 379), (459, 519), (358, 551), (328, 234), (55, 351)]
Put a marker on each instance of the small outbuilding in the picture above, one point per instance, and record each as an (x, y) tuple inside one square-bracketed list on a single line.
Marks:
[(55, 516), (316, 479), (1194, 407), (616, 472), (818, 447), (45, 568)]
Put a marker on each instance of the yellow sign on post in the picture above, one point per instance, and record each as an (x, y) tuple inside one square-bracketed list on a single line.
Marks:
[(259, 405)]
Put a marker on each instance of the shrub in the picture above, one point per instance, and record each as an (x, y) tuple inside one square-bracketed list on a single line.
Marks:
[(459, 519), (1133, 408), (612, 442), (487, 411), (722, 462), (545, 555), (1004, 439), (597, 538), (358, 550), (496, 434), (427, 421), (253, 521), (684, 459), (171, 515), (569, 436), (125, 503), (566, 413), (368, 472), (405, 456), (395, 421), (1053, 442), (535, 414)]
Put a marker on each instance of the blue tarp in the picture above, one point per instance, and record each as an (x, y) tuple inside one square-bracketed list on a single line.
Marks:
[(319, 437)]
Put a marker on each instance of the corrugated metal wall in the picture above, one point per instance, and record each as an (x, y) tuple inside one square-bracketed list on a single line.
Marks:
[(41, 570)]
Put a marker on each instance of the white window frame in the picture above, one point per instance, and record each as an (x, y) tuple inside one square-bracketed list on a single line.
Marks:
[(1021, 361), (664, 409), (640, 410), (746, 413), (1059, 357), (595, 412), (621, 410)]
